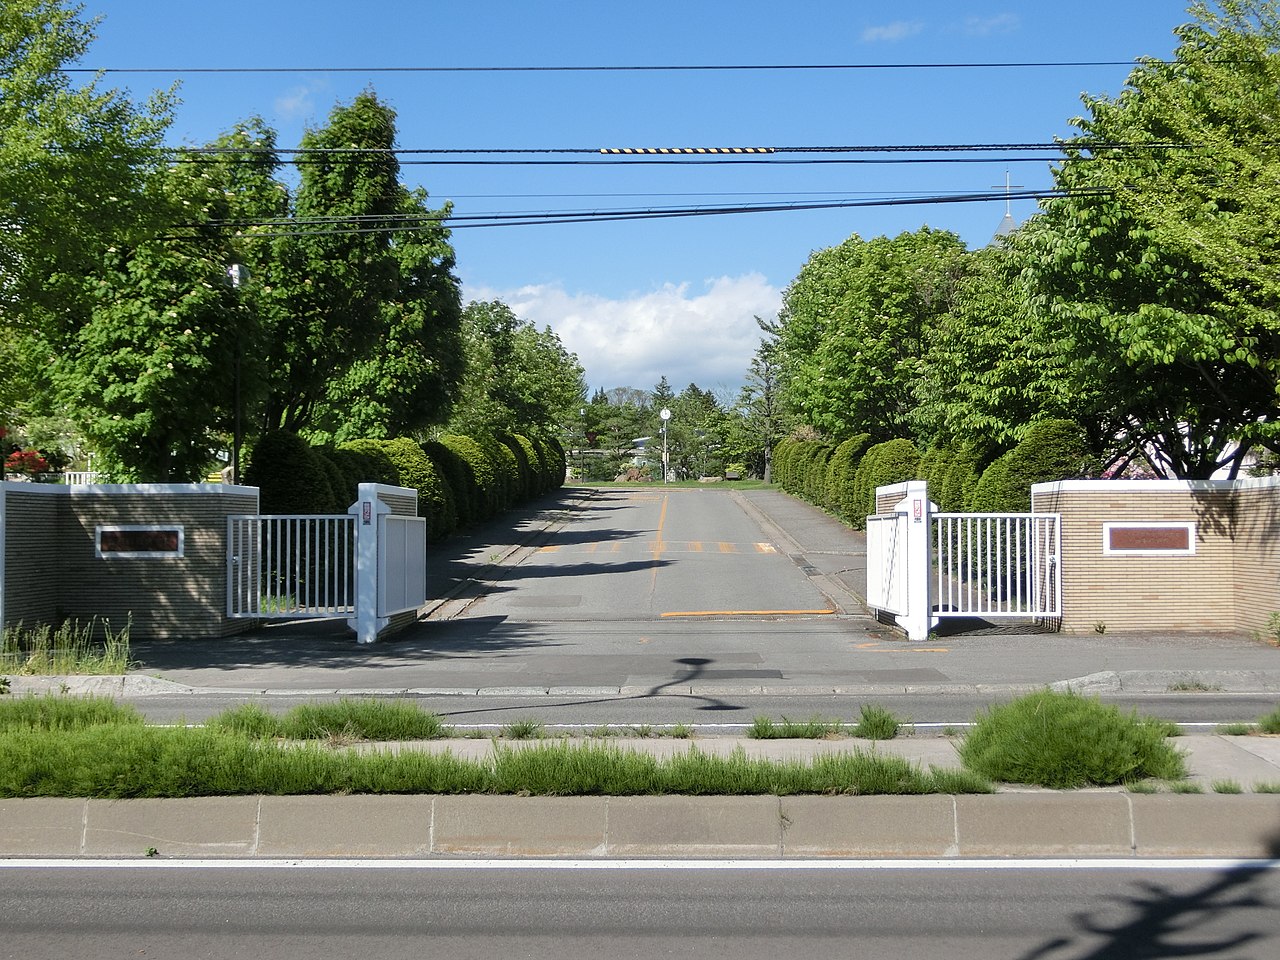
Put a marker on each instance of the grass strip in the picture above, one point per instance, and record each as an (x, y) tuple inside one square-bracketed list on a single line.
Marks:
[(347, 719), (70, 649), (130, 761)]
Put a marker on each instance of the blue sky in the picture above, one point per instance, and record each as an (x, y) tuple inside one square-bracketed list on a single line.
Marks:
[(639, 300)]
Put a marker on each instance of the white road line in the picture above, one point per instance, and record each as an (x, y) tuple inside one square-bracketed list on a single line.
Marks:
[(1133, 864)]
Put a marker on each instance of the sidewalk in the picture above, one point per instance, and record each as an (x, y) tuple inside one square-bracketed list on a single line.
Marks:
[(1011, 823)]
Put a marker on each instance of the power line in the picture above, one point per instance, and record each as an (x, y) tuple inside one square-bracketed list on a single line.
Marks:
[(631, 68), (406, 223)]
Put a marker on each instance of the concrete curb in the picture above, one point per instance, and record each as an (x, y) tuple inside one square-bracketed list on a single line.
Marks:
[(1154, 681), (1002, 825)]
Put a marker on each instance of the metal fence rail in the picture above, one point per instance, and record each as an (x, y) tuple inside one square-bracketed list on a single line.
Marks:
[(291, 567), (997, 565)]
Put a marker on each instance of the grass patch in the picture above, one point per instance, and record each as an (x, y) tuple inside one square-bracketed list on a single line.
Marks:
[(1065, 741), (133, 760), (1184, 786), (763, 728), (64, 713), (70, 649), (1234, 729), (1267, 786), (1271, 722), (1227, 786), (343, 721), (1142, 786), (876, 723), (1193, 686)]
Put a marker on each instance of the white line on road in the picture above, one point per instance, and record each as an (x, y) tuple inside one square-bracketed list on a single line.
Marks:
[(1135, 864)]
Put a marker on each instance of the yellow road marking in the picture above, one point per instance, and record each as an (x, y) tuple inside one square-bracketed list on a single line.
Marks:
[(766, 548), (695, 546), (749, 613), (728, 548), (549, 549)]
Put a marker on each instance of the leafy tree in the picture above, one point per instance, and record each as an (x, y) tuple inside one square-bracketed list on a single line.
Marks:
[(855, 324), (518, 378), (758, 418), (346, 287), (74, 161), (1159, 268)]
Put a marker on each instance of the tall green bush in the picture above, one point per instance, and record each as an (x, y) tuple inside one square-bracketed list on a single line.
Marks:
[(290, 477), (480, 472), (842, 470), (998, 490), (435, 498)]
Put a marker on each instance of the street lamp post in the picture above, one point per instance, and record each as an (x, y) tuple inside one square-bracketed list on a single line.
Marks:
[(665, 414), (238, 273)]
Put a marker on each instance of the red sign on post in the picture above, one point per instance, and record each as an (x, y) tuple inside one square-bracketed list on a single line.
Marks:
[(917, 510), (366, 513)]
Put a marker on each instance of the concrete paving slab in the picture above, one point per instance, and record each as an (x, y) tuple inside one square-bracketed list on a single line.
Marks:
[(1211, 758), (52, 827), (868, 826), (1192, 825), (519, 826), (1264, 747), (204, 826), (694, 826), (1044, 824), (353, 826)]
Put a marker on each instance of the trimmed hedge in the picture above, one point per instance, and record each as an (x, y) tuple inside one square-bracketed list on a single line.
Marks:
[(460, 480)]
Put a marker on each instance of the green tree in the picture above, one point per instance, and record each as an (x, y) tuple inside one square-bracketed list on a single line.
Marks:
[(1159, 266), (758, 419), (855, 325), (518, 378), (345, 286)]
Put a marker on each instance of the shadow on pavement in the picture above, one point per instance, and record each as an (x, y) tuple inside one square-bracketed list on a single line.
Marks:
[(1167, 923)]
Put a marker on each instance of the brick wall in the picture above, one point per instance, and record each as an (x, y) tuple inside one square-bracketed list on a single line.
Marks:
[(164, 597), (1230, 582)]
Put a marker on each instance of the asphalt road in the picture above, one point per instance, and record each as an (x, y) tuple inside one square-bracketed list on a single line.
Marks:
[(742, 911)]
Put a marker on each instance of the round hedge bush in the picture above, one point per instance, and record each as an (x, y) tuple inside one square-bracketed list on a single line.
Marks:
[(1065, 741), (290, 477)]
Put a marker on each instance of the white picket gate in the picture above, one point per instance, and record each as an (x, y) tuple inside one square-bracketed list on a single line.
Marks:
[(364, 566), (924, 566)]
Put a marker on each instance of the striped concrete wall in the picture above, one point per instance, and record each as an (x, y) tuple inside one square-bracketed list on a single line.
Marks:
[(1230, 581), (52, 571)]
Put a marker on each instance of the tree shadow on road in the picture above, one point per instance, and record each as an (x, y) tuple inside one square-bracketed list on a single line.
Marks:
[(1167, 923)]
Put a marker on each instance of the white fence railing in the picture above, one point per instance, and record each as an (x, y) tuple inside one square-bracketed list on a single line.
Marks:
[(291, 567), (923, 566), (997, 565)]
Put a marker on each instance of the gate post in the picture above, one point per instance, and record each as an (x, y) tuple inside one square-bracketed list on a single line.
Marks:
[(918, 620), (367, 624)]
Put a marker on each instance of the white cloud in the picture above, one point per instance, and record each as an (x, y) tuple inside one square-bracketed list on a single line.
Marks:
[(986, 26), (299, 103), (892, 32), (706, 337)]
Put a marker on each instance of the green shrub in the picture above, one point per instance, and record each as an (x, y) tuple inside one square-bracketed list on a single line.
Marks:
[(416, 469), (998, 490), (1271, 722), (841, 469), (893, 461), (876, 723), (953, 490), (342, 490), (457, 476), (506, 471), (367, 460), (480, 472), (1065, 741), (290, 477), (815, 474), (524, 455)]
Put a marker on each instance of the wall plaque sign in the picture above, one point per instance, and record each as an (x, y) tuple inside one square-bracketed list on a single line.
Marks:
[(139, 541), (1149, 538)]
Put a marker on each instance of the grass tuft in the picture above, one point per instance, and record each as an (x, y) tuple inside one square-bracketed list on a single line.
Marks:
[(1062, 740), (339, 723), (763, 728), (1234, 729), (1227, 786), (524, 730), (1267, 786), (1271, 722), (876, 723), (70, 649)]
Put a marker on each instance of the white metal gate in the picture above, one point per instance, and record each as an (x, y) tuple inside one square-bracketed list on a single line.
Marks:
[(995, 565), (886, 563), (291, 567)]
